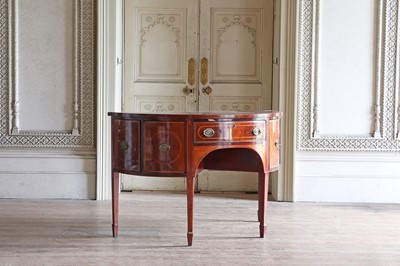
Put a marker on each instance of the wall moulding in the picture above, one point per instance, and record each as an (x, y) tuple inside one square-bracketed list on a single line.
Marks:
[(397, 103), (384, 136), (82, 133)]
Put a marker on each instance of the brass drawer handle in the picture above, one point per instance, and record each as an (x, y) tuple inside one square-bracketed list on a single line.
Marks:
[(208, 132), (256, 131), (123, 145), (164, 147)]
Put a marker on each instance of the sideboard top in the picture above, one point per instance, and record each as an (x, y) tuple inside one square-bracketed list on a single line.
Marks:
[(266, 114)]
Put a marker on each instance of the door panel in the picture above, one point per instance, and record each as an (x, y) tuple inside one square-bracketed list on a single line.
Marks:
[(234, 33), (159, 44)]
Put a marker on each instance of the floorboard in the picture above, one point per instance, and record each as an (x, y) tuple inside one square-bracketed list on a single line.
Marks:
[(153, 232)]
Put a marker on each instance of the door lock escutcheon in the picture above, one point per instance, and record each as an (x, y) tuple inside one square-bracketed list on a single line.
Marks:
[(187, 90)]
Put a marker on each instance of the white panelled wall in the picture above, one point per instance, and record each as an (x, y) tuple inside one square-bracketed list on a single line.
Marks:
[(47, 99), (347, 91)]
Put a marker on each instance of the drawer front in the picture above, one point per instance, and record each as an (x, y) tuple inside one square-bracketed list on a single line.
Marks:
[(164, 147), (274, 143), (126, 145), (220, 132)]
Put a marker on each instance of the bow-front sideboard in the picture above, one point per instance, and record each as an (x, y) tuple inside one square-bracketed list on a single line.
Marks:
[(183, 144)]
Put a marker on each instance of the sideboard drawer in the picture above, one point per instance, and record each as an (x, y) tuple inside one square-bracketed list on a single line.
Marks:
[(164, 147), (220, 132), (126, 145)]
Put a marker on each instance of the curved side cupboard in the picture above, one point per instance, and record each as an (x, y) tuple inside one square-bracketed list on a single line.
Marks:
[(183, 144)]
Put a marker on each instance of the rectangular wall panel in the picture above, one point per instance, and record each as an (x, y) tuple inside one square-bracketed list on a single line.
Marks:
[(44, 64), (346, 66), (47, 99), (47, 73), (347, 75)]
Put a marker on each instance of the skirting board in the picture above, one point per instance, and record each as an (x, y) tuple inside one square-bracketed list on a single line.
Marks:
[(48, 185), (42, 174), (372, 178), (348, 189)]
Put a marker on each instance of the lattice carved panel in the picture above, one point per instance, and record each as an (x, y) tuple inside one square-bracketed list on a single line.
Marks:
[(384, 138), (82, 136)]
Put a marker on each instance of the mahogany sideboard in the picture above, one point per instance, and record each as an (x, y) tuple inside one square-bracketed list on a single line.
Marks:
[(183, 144)]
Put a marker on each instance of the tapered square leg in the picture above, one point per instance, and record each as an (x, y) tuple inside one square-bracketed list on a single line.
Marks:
[(262, 202), (190, 196), (115, 201)]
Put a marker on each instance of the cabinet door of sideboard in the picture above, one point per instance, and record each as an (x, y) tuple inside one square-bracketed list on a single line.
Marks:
[(274, 144), (164, 147), (126, 145)]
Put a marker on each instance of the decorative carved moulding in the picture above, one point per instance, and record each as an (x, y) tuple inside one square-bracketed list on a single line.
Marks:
[(386, 110), (246, 26), (150, 64), (159, 104), (82, 110), (236, 104)]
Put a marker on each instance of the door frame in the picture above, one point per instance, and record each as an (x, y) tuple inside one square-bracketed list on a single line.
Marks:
[(109, 95)]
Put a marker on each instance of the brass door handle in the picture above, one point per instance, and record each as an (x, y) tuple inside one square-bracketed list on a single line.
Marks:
[(191, 72), (207, 90)]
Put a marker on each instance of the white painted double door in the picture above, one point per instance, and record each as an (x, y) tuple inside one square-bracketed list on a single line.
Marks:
[(189, 55)]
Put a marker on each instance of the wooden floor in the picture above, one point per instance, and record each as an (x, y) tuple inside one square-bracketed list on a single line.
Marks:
[(153, 232)]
